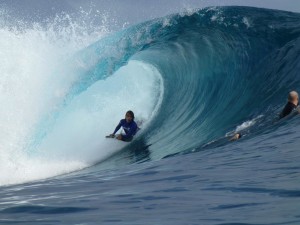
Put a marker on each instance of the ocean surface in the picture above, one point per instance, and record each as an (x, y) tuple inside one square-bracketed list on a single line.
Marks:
[(193, 79)]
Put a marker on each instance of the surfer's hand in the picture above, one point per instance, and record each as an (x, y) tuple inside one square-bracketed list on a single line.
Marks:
[(112, 135), (119, 137)]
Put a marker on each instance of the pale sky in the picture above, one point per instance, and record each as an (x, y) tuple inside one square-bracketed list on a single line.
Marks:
[(132, 11)]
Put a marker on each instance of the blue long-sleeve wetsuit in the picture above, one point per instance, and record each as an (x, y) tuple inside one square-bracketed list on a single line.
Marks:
[(129, 128)]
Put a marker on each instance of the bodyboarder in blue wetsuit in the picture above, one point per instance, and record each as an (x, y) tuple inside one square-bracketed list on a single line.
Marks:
[(130, 127)]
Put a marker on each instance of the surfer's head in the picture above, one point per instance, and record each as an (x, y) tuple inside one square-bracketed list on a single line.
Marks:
[(129, 116), (293, 97)]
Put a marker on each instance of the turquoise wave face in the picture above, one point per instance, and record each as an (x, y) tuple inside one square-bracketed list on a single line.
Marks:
[(220, 67)]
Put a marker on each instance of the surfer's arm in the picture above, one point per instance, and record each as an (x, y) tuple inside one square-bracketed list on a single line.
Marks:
[(117, 128)]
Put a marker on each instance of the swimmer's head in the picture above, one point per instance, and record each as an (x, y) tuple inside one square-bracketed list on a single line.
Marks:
[(235, 137), (293, 97)]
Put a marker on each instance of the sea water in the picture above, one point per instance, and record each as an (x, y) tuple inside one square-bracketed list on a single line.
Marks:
[(192, 79)]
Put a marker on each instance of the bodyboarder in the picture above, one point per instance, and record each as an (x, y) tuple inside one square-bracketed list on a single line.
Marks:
[(129, 126)]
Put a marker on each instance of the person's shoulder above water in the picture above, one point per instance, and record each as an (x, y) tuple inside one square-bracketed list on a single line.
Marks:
[(289, 107), (122, 121), (293, 101), (134, 123)]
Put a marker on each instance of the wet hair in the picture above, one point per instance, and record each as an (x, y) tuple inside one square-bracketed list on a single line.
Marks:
[(130, 113)]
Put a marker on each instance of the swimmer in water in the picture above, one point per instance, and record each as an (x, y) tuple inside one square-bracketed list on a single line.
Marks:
[(235, 137), (291, 105)]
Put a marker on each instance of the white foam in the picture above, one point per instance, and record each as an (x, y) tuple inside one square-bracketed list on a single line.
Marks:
[(246, 22), (32, 89), (76, 140), (247, 124), (244, 125)]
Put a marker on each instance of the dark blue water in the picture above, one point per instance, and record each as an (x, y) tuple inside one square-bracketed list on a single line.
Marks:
[(248, 182), (220, 68)]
